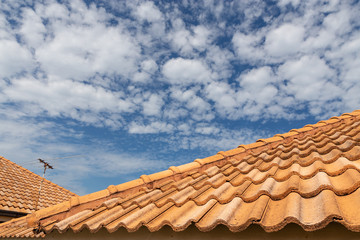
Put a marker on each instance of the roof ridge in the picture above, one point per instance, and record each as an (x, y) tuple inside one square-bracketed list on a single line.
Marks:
[(38, 176), (148, 181)]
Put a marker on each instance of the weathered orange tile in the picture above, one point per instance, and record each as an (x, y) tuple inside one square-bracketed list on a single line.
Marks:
[(144, 215), (237, 214), (178, 218)]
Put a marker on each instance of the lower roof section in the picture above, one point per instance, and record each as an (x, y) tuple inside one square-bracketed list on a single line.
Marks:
[(19, 189)]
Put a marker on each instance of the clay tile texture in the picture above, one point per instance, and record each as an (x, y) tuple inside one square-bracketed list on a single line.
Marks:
[(309, 177), (19, 190)]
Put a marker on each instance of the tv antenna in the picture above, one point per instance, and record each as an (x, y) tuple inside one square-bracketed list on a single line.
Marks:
[(46, 166)]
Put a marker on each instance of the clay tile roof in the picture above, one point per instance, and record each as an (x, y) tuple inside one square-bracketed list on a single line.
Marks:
[(309, 176), (19, 189)]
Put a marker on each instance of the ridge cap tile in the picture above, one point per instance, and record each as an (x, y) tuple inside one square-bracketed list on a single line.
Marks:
[(253, 145), (272, 139), (210, 159), (145, 178), (303, 129), (160, 175), (187, 167), (329, 121), (288, 134), (234, 151)]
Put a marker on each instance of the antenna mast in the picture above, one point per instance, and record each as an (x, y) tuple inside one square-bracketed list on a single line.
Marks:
[(46, 165)]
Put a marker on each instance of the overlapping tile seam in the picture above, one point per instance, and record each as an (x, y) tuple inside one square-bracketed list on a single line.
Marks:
[(149, 182)]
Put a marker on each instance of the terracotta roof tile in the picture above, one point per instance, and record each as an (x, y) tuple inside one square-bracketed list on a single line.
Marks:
[(308, 176), (19, 189)]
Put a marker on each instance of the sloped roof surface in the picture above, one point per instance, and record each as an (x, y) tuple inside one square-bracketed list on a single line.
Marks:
[(19, 189), (309, 176)]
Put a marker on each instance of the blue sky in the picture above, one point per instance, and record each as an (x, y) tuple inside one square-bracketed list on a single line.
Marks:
[(137, 86)]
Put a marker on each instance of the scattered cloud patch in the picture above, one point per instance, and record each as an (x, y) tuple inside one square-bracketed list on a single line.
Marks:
[(284, 41), (153, 127), (186, 71), (153, 106)]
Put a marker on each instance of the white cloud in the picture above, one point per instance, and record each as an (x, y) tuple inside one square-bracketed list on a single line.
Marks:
[(148, 11), (141, 77), (93, 49), (258, 90), (201, 37), (153, 127), (190, 40), (152, 107), (338, 22), (184, 128), (351, 99), (175, 111), (207, 129), (224, 97), (247, 47), (191, 99), (76, 42), (309, 79), (198, 104), (14, 58), (219, 60), (256, 79), (66, 98), (149, 66), (186, 71), (32, 28), (347, 58), (181, 42), (59, 11), (283, 3), (213, 139), (284, 40)]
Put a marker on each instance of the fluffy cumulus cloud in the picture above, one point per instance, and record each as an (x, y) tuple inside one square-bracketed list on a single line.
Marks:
[(172, 75), (314, 84), (78, 51), (153, 105), (153, 127), (147, 12), (186, 71), (188, 41), (284, 40), (15, 58)]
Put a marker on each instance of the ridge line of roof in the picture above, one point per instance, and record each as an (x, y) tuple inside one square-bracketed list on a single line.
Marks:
[(147, 181), (34, 174)]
